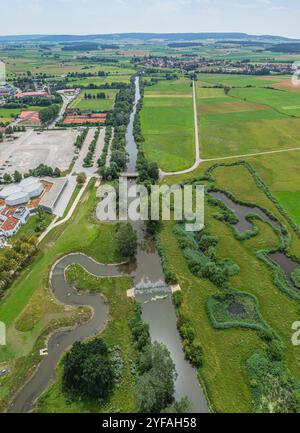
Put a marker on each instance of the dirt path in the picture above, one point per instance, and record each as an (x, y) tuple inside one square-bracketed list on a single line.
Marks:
[(198, 160), (247, 155)]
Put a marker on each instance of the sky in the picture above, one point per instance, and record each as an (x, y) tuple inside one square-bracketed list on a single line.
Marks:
[(275, 17)]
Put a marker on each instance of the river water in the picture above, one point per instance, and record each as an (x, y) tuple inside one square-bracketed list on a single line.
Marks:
[(146, 271), (160, 314)]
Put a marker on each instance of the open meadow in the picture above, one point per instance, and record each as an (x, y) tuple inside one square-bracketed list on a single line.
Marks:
[(245, 120), (168, 125), (88, 100)]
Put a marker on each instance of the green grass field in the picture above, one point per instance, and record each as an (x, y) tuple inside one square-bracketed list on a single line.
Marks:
[(167, 125), (96, 105), (233, 80), (247, 120)]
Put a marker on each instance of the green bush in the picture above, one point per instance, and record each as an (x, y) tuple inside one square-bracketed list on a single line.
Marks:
[(177, 299), (296, 277)]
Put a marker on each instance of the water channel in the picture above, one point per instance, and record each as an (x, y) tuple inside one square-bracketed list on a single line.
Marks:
[(287, 264)]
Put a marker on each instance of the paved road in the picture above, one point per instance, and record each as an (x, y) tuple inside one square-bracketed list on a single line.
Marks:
[(66, 101)]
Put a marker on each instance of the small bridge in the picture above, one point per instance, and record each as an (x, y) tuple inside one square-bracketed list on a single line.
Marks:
[(158, 288), (130, 175)]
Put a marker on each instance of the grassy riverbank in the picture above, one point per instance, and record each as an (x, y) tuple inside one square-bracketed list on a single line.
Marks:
[(117, 333)]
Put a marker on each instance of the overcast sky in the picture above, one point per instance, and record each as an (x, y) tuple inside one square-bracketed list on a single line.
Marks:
[(277, 17)]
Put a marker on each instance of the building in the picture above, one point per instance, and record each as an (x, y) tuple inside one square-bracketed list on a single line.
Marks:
[(6, 91), (18, 202), (22, 193), (33, 94), (11, 219), (50, 199), (29, 118), (17, 199), (2, 73)]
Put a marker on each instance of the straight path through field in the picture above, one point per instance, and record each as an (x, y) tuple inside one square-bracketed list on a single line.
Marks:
[(269, 152), (197, 144)]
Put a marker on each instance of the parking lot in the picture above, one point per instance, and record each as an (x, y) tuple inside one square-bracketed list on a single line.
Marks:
[(30, 149)]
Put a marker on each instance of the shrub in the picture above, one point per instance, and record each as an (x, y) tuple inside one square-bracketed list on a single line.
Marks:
[(296, 277), (177, 299)]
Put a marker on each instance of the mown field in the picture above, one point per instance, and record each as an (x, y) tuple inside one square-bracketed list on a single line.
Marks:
[(28, 309), (247, 119), (226, 351), (168, 125), (96, 105)]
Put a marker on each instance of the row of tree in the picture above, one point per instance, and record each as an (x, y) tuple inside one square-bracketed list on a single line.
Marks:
[(100, 95), (88, 160), (14, 259), (120, 120), (48, 114)]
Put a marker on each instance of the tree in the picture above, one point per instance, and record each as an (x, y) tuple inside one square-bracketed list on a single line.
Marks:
[(88, 370), (126, 240), (7, 178), (155, 387), (81, 178), (17, 176)]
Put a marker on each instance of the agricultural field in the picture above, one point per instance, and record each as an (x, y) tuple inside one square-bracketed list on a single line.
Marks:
[(246, 120), (94, 104), (167, 124)]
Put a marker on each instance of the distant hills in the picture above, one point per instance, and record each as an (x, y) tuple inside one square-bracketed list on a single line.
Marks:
[(144, 37)]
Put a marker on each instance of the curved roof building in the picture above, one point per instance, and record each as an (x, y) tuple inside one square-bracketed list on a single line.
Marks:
[(28, 181), (34, 189), (17, 199), (9, 190)]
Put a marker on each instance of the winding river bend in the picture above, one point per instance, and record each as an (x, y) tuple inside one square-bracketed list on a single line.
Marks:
[(148, 276)]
